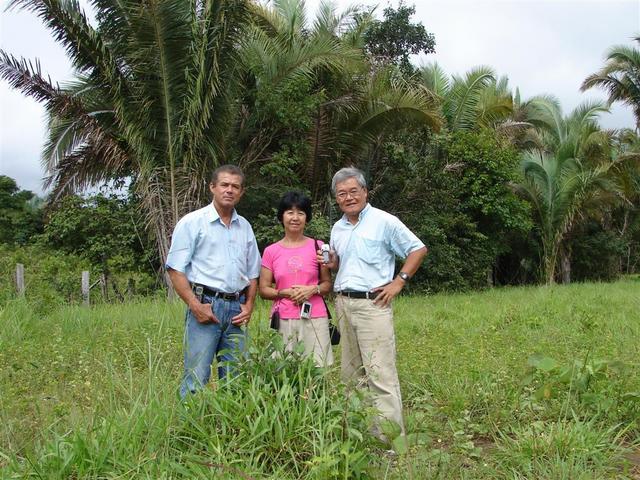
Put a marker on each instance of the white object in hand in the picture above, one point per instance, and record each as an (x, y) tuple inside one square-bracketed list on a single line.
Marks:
[(325, 253)]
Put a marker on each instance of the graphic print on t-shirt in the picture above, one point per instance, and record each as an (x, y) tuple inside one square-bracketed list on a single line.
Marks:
[(294, 264)]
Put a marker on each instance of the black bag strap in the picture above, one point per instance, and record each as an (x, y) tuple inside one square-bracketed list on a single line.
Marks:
[(315, 240)]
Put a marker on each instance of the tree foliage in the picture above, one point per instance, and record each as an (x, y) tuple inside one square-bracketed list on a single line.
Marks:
[(395, 38), (106, 230), (152, 100), (453, 190), (21, 214)]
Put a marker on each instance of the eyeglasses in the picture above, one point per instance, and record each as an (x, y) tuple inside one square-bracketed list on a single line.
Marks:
[(353, 193)]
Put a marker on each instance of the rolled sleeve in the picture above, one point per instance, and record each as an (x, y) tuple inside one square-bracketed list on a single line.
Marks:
[(402, 240), (253, 258), (182, 248)]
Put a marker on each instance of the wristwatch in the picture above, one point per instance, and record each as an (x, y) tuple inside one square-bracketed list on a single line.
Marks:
[(404, 276)]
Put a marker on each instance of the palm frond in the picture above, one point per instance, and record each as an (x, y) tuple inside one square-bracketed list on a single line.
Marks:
[(388, 103), (461, 104), (212, 82), (619, 77), (27, 77), (435, 79), (329, 22)]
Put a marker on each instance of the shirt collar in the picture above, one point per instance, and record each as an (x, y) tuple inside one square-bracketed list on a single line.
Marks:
[(213, 214), (361, 215)]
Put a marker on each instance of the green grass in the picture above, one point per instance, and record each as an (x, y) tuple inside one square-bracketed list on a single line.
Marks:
[(507, 383)]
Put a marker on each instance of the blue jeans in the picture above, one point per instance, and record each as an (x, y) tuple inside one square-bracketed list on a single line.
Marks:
[(204, 341)]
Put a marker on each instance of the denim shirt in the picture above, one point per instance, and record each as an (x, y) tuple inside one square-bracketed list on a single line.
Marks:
[(367, 250), (212, 254)]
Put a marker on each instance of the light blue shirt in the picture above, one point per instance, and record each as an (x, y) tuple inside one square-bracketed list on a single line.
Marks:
[(212, 254), (367, 250)]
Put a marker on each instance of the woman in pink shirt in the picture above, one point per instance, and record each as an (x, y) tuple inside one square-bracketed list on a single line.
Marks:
[(292, 265)]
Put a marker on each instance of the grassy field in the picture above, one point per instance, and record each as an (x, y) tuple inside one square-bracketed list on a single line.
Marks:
[(511, 383)]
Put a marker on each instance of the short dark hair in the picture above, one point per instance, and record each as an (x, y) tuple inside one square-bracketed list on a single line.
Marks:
[(294, 199), (232, 169)]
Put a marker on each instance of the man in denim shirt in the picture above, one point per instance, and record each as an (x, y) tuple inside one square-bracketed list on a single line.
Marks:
[(365, 243), (214, 264)]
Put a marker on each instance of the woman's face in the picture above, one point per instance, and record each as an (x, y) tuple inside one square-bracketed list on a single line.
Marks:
[(294, 220)]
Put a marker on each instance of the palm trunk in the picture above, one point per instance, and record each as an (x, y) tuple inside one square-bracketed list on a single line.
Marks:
[(315, 157), (490, 277), (163, 242), (550, 270), (549, 261), (565, 265), (160, 213)]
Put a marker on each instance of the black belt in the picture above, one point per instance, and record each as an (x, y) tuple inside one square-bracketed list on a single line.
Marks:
[(352, 294), (210, 292)]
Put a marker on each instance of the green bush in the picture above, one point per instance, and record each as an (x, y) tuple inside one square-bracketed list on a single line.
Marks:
[(453, 191), (21, 214), (596, 254), (297, 421)]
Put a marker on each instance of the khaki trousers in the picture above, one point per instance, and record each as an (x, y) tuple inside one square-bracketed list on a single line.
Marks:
[(369, 353), (314, 335)]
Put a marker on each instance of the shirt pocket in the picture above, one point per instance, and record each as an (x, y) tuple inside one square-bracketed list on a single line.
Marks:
[(370, 251), (234, 251)]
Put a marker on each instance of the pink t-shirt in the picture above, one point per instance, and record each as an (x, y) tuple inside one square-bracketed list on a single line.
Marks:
[(294, 266)]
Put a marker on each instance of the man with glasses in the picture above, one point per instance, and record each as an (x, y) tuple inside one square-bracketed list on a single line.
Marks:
[(214, 264), (364, 244)]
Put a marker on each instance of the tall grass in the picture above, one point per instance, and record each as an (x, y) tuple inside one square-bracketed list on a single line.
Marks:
[(508, 383)]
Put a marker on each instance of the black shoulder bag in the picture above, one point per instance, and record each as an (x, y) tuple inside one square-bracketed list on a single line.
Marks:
[(334, 333)]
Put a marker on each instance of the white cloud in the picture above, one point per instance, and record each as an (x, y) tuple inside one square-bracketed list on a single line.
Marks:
[(543, 47), (22, 119)]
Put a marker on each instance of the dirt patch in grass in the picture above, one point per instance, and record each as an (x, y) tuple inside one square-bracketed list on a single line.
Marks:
[(634, 459)]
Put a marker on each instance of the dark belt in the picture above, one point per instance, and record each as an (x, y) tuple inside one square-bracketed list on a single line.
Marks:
[(352, 294), (210, 292)]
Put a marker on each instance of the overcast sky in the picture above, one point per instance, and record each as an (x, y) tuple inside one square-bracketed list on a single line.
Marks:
[(542, 46)]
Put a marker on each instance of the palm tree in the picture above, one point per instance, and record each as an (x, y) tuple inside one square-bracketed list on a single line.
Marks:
[(373, 109), (476, 100), (571, 178), (153, 99), (627, 149), (481, 100), (529, 120), (358, 106), (620, 77), (283, 49)]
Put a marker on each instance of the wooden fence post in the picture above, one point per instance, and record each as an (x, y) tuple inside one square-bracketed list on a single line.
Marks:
[(85, 288), (20, 279), (103, 286)]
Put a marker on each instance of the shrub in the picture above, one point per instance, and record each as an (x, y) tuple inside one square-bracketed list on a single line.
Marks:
[(282, 417)]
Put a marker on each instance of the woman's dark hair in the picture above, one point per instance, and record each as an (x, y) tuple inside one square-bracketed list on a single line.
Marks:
[(294, 199)]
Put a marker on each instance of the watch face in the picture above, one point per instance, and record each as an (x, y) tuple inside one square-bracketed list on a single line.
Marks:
[(403, 276)]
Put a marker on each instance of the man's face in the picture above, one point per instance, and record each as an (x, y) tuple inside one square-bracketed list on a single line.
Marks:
[(228, 190), (351, 197)]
